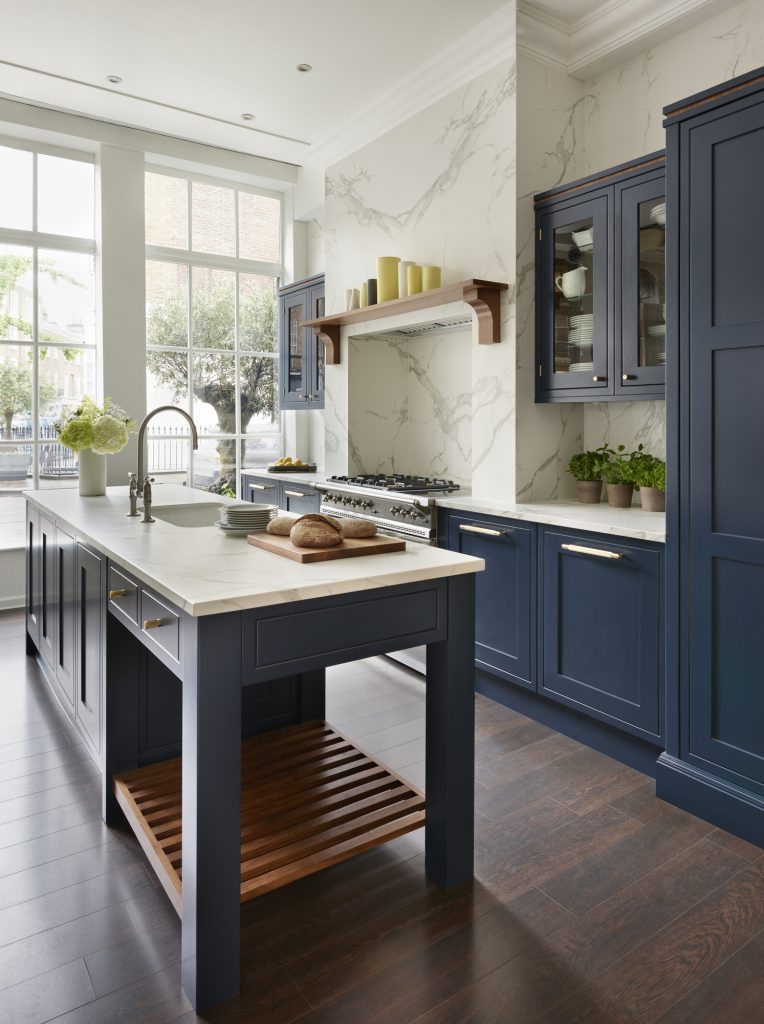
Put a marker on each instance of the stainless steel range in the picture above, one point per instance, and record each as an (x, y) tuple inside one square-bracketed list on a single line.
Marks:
[(402, 506)]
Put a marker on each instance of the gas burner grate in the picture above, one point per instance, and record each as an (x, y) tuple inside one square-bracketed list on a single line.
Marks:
[(398, 482)]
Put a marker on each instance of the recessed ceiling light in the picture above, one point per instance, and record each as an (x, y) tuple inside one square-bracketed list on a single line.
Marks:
[(305, 68), (114, 79), (248, 117)]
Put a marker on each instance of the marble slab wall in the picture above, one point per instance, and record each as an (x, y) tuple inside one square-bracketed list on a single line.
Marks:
[(439, 188), (624, 119), (550, 151)]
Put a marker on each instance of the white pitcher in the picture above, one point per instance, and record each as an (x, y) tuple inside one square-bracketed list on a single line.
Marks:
[(573, 283)]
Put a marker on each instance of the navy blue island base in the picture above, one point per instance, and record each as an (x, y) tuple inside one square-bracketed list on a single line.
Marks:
[(218, 656)]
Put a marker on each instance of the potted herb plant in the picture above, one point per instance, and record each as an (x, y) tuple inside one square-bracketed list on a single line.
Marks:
[(94, 432), (619, 476), (586, 468), (649, 475)]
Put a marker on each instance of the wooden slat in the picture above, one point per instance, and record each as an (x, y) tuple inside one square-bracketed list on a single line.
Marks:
[(310, 798)]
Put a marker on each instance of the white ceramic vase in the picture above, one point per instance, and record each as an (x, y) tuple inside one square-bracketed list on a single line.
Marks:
[(92, 474)]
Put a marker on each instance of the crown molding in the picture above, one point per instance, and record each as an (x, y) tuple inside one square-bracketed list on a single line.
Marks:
[(485, 46), (614, 31)]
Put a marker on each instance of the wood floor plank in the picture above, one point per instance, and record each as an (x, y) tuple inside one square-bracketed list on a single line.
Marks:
[(48, 995), (154, 1000), (56, 845)]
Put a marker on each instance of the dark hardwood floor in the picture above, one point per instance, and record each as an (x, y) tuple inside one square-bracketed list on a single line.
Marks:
[(592, 902)]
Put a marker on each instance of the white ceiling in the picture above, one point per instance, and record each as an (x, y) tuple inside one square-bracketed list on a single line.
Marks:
[(180, 59)]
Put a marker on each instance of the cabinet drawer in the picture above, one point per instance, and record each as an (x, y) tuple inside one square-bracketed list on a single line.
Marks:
[(259, 489), (602, 633), (301, 500), (505, 618), (160, 624), (123, 594)]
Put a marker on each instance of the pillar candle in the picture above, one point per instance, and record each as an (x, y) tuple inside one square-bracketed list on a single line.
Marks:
[(430, 278), (387, 278), (403, 278), (414, 279)]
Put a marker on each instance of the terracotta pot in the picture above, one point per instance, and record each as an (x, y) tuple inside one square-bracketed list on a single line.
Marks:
[(619, 495), (589, 491), (653, 499)]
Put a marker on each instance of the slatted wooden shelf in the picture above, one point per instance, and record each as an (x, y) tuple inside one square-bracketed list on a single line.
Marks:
[(310, 798)]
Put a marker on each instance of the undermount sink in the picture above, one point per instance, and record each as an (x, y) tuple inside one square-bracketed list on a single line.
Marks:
[(203, 514)]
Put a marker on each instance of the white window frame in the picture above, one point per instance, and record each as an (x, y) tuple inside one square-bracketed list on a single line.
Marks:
[(191, 258), (36, 240)]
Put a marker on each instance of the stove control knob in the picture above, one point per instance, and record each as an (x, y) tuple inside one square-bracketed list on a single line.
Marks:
[(347, 501), (367, 504), (355, 502), (395, 510)]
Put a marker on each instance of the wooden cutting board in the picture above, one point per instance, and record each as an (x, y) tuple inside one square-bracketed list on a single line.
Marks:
[(345, 549)]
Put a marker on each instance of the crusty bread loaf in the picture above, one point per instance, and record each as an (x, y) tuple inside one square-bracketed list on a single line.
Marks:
[(358, 528), (281, 526), (316, 531)]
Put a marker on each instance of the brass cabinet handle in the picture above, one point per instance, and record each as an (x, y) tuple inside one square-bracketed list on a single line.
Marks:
[(155, 623), (598, 552), (262, 487), (598, 378), (630, 376), (295, 494), (113, 594), (482, 529)]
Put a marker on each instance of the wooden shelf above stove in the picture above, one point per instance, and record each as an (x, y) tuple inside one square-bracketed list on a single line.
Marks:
[(309, 799), (484, 297)]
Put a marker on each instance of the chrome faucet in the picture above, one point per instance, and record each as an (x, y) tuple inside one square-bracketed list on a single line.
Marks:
[(142, 435)]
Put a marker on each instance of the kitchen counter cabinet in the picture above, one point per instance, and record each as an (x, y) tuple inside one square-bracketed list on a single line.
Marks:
[(239, 620), (288, 492)]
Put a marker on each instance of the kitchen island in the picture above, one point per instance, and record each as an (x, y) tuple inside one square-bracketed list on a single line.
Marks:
[(225, 618)]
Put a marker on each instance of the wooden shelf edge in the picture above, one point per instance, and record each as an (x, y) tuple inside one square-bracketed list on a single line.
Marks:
[(310, 799), (484, 297)]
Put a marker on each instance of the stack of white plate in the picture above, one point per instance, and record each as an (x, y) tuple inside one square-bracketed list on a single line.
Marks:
[(581, 329), (657, 331), (242, 519), (581, 367), (658, 214)]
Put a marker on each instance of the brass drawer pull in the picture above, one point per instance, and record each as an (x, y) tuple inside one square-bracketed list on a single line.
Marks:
[(295, 494), (114, 594), (482, 529), (155, 623), (262, 487), (598, 552)]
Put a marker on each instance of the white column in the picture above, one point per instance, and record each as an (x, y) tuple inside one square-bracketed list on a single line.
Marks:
[(121, 252)]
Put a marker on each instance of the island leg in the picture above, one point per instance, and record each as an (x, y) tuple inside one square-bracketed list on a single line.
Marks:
[(124, 660), (312, 696), (450, 743), (211, 809)]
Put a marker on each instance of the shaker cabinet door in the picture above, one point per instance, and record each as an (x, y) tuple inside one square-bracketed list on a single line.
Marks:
[(641, 272), (574, 286), (724, 536), (48, 591), (33, 575), (90, 609), (67, 609), (504, 593), (293, 368), (601, 629)]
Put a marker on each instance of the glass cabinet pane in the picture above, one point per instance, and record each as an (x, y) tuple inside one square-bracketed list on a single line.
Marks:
[(574, 286), (295, 359), (319, 308), (651, 322)]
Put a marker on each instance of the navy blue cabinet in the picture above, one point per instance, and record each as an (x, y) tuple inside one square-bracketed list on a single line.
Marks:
[(90, 593), (261, 489), (715, 760), (601, 286), (505, 618), (302, 359), (48, 584), (601, 629), (298, 498)]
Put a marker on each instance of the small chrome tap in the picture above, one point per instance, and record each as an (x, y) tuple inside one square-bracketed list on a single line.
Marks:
[(133, 497)]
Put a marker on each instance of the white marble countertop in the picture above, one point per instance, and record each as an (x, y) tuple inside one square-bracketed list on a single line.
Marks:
[(292, 478), (621, 522), (205, 571)]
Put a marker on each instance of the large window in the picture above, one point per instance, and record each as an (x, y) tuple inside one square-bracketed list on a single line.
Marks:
[(49, 356), (213, 260)]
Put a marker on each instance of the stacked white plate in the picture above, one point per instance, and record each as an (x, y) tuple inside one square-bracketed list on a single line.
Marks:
[(657, 331), (658, 214), (581, 329), (242, 519), (581, 367)]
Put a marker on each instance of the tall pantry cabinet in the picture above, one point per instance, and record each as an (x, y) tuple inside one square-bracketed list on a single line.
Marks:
[(714, 764)]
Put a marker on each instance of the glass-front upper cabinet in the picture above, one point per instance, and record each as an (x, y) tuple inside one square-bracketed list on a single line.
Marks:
[(301, 354), (574, 271), (601, 286), (643, 285)]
